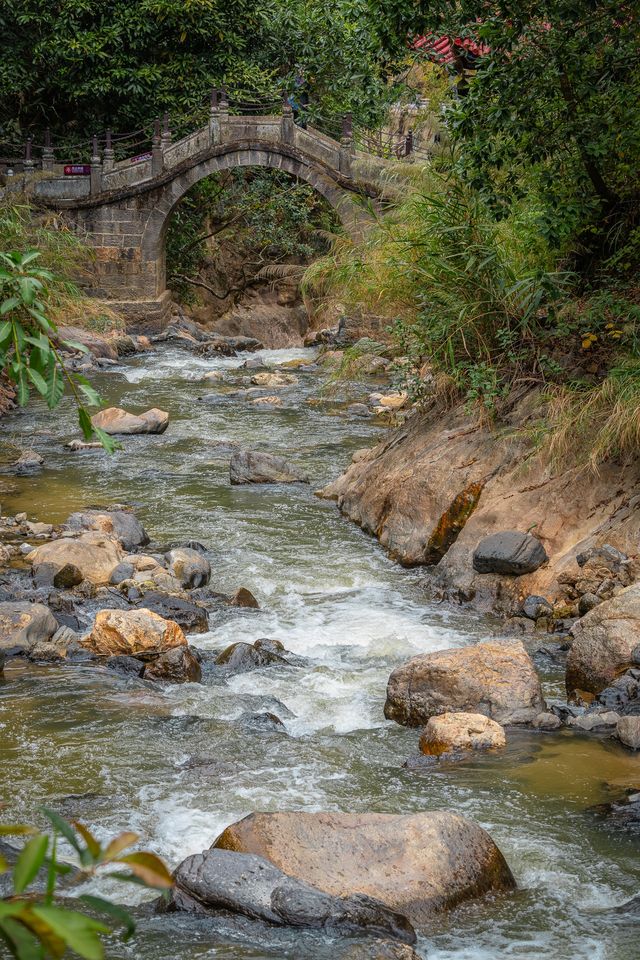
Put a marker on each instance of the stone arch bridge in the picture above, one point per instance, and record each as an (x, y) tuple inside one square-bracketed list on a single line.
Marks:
[(123, 208)]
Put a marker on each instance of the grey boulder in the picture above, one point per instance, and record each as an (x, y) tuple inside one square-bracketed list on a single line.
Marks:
[(250, 466), (123, 525), (252, 886), (23, 625), (509, 552)]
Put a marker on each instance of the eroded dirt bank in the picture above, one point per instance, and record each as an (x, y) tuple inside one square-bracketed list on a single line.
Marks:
[(438, 484)]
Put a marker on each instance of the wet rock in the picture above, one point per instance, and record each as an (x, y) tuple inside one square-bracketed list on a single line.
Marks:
[(83, 445), (116, 421), (358, 410), (136, 633), (28, 462), (269, 379), (67, 577), (192, 617), (535, 607), (623, 813), (240, 657), (546, 721), (39, 529), (622, 693), (252, 886), (497, 679), (179, 665), (122, 525), (271, 646), (628, 732), (94, 554), (263, 722), (251, 466), (244, 598), (189, 567), (453, 732), (603, 642), (125, 665), (379, 950), (23, 625), (418, 864), (594, 721), (267, 402), (509, 552)]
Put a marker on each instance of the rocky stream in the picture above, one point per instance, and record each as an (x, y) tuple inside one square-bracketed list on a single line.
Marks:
[(298, 724)]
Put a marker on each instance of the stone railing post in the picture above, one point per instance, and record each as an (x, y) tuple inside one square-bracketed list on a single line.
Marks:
[(223, 112), (108, 158), (47, 154), (157, 162), (95, 185), (165, 137), (287, 124), (28, 163), (214, 119), (346, 145)]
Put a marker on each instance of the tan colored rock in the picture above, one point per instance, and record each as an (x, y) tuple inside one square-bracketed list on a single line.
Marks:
[(135, 633), (95, 555), (393, 401), (268, 379), (452, 732), (418, 864), (116, 421), (267, 402), (497, 679), (603, 642)]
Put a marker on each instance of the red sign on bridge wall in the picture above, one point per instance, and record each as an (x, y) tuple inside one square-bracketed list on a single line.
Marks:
[(77, 169)]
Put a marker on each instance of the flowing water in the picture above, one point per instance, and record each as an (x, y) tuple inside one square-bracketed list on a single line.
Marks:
[(176, 765)]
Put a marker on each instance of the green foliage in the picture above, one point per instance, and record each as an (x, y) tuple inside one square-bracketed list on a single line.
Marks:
[(30, 345), (81, 67), (33, 926), (265, 215), (553, 101)]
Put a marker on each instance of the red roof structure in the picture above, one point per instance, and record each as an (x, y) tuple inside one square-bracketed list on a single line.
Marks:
[(447, 49)]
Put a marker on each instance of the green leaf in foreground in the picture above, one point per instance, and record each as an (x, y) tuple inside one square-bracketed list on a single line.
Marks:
[(29, 861)]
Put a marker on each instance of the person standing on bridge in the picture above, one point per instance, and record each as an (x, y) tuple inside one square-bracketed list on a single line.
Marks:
[(299, 100)]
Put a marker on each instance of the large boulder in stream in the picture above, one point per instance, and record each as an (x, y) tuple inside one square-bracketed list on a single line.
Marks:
[(94, 555), (254, 887), (116, 421), (134, 633), (252, 466), (179, 665), (122, 525), (417, 864), (605, 642), (24, 625), (497, 679)]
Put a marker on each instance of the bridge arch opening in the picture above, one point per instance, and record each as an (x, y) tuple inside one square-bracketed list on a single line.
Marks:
[(346, 208), (237, 244)]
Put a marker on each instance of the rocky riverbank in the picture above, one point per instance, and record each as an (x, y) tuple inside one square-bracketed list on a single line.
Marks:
[(181, 676)]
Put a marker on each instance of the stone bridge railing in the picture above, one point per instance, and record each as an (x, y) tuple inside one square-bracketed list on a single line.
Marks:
[(107, 175)]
